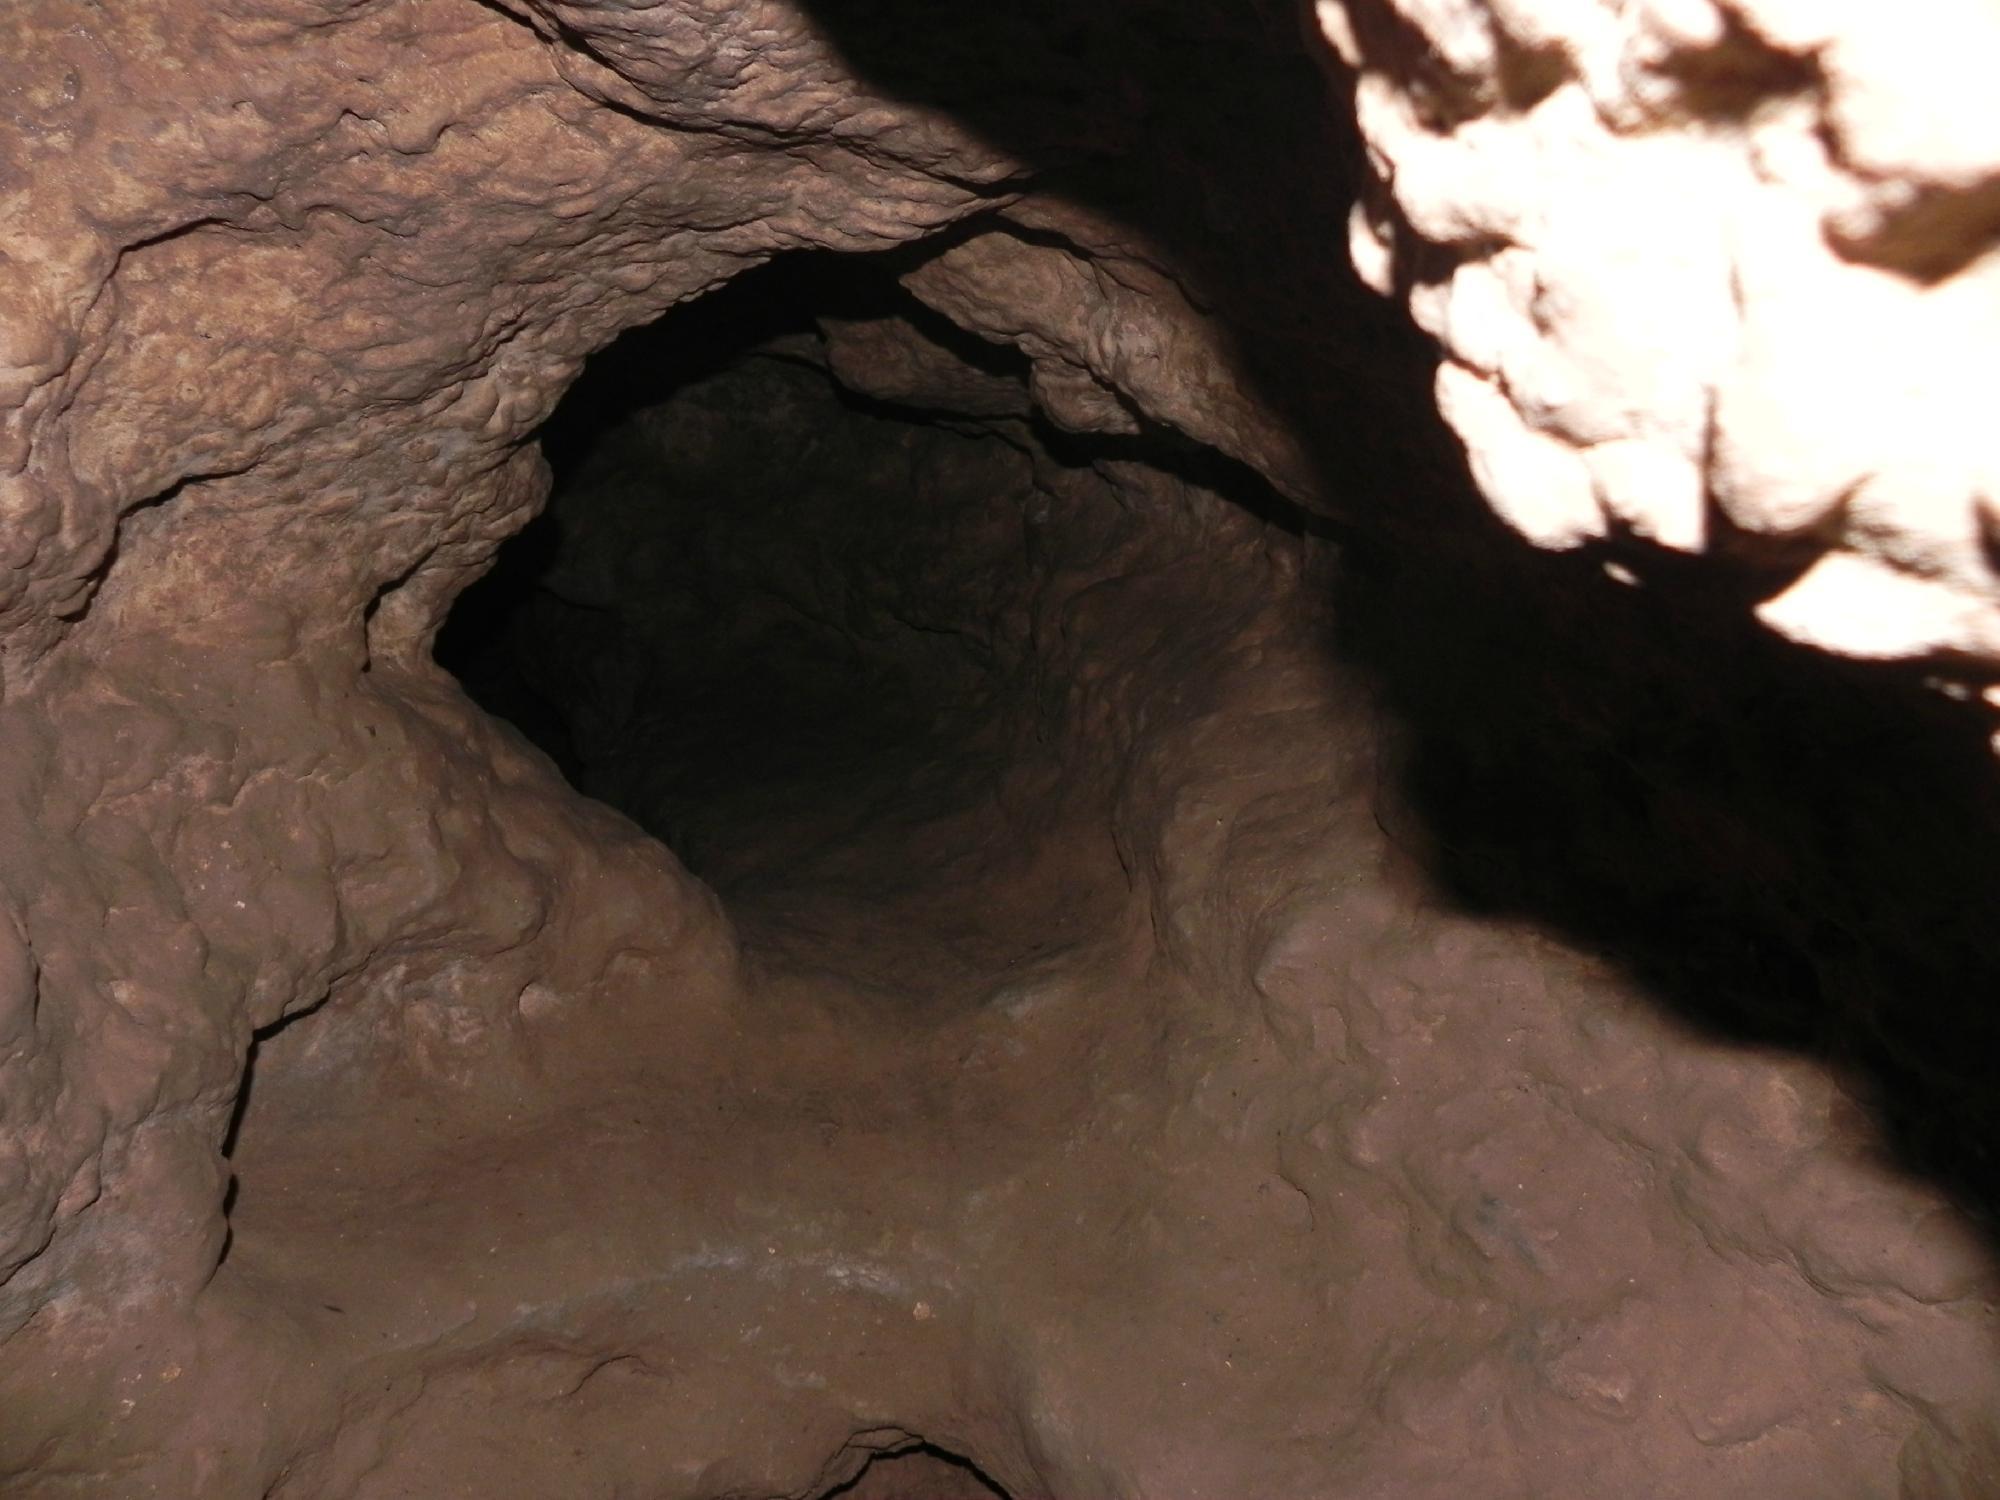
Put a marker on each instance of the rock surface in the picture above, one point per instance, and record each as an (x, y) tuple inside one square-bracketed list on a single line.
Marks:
[(1712, 274), (1199, 968)]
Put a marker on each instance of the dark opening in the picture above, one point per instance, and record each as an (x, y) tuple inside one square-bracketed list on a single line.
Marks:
[(824, 601), (736, 594)]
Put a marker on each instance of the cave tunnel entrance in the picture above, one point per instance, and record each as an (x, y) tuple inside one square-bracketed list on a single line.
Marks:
[(685, 624), (824, 600)]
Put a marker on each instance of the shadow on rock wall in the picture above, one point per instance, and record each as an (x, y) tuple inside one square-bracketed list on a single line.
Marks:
[(1787, 849)]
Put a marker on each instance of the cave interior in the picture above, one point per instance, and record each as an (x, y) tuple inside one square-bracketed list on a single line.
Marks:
[(921, 910)]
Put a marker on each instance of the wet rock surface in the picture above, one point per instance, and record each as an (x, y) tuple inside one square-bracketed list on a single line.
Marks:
[(965, 865)]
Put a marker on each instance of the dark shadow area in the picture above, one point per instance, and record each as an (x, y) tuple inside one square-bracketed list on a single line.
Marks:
[(709, 613), (853, 655), (743, 716), (644, 367), (754, 588), (1785, 848)]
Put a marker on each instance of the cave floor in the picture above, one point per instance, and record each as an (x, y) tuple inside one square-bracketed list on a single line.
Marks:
[(1235, 1165)]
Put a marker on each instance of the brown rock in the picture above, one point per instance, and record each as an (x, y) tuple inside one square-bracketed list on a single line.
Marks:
[(764, 750)]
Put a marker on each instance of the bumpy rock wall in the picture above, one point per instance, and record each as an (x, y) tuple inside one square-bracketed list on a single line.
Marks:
[(1374, 1018), (1712, 274)]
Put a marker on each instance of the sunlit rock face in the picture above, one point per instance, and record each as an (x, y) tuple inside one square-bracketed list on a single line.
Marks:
[(766, 750)]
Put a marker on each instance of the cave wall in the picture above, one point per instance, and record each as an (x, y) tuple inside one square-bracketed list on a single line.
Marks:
[(287, 288), (538, 1135)]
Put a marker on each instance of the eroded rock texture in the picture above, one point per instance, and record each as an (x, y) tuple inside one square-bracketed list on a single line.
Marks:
[(1713, 274), (1007, 886)]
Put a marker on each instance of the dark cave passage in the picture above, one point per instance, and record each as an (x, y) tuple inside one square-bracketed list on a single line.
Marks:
[(751, 585), (824, 601)]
